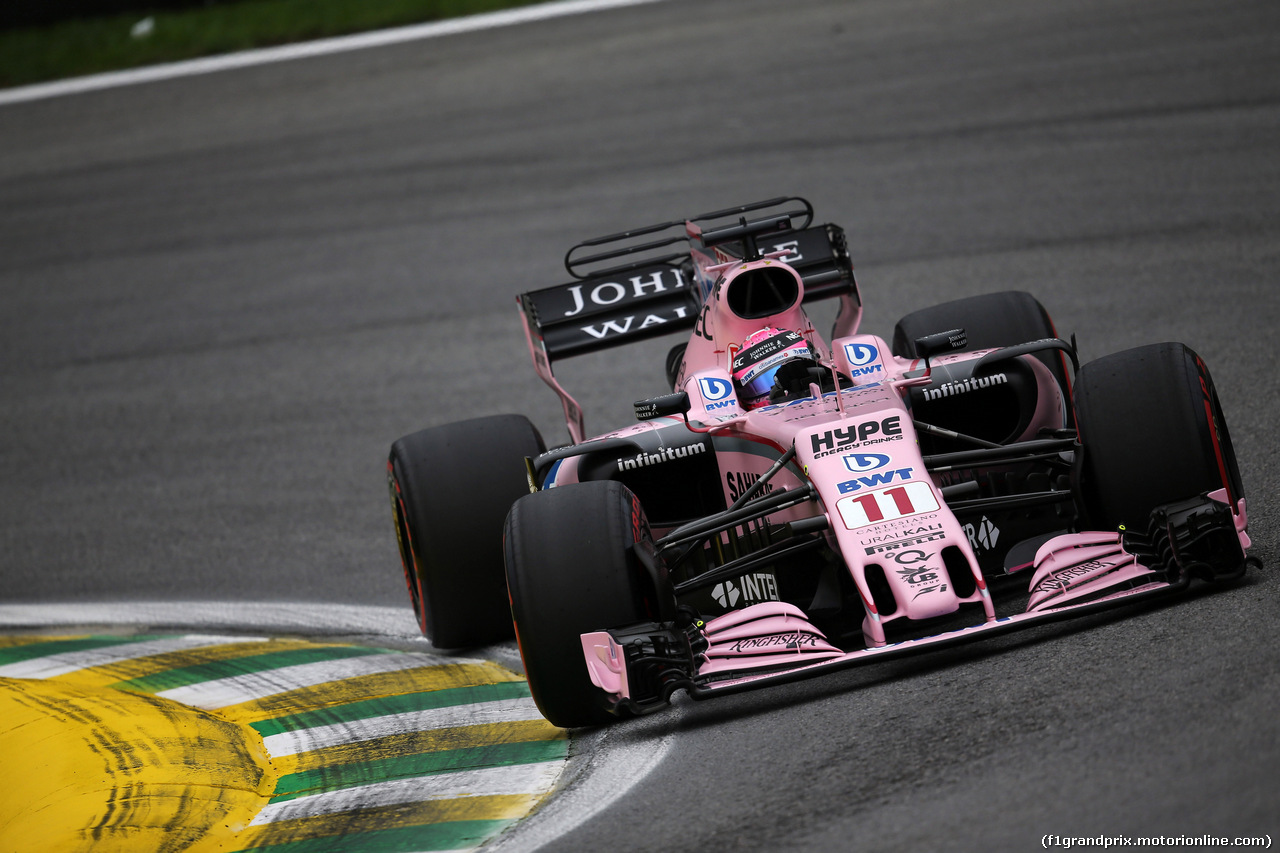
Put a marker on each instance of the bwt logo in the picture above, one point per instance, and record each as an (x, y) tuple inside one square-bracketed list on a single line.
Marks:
[(861, 358), (860, 355), (718, 393), (715, 390), (883, 478), (859, 462)]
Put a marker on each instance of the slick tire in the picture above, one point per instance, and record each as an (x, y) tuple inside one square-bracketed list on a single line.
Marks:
[(451, 488), (571, 569), (990, 320), (1152, 432)]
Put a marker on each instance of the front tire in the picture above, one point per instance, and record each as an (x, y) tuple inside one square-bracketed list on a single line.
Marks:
[(1152, 432), (451, 488), (571, 568)]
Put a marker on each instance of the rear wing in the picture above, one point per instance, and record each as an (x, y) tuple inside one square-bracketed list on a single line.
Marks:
[(652, 281)]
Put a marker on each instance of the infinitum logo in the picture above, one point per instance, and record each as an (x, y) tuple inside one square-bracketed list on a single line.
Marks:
[(666, 454), (964, 386)]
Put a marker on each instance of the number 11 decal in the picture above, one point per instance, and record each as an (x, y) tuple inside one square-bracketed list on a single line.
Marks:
[(887, 504)]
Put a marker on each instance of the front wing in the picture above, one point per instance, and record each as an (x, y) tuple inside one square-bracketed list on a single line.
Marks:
[(639, 667)]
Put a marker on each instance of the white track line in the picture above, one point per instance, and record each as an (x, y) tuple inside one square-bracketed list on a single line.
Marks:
[(609, 763), (313, 620), (304, 50)]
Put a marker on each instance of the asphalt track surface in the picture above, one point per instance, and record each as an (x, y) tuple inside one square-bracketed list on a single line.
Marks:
[(223, 296)]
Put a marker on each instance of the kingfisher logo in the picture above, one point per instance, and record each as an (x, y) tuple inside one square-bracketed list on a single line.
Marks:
[(718, 393), (860, 462), (862, 359)]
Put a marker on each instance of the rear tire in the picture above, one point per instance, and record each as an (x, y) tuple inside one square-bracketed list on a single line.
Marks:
[(989, 320), (571, 569), (451, 488), (1152, 432)]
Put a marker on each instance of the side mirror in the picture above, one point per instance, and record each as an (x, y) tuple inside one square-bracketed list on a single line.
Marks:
[(941, 342), (668, 404)]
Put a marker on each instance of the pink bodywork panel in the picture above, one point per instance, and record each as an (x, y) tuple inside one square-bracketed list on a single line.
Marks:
[(1241, 516), (859, 450), (605, 664)]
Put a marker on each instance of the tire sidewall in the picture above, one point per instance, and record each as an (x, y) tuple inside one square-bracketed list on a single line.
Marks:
[(455, 484), (1151, 432), (571, 569)]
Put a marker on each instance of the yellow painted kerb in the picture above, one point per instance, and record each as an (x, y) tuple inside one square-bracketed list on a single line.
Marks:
[(88, 768)]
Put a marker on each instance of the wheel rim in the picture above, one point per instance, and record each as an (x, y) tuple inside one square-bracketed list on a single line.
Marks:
[(408, 555), (1220, 439)]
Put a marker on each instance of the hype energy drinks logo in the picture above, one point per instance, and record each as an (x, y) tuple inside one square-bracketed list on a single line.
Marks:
[(717, 393), (864, 359)]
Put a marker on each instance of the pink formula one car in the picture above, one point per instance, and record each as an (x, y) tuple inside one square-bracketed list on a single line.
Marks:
[(798, 505)]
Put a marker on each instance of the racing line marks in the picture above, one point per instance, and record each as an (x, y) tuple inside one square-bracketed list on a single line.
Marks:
[(257, 685), (307, 740)]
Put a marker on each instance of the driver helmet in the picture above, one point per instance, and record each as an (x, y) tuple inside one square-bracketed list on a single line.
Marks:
[(755, 364)]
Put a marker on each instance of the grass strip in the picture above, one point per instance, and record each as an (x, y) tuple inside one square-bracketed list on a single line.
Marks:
[(92, 45)]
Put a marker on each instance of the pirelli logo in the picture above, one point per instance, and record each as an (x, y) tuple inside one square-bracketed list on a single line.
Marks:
[(905, 543)]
